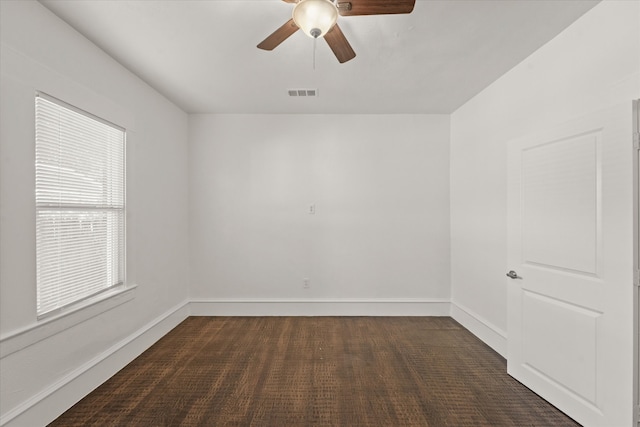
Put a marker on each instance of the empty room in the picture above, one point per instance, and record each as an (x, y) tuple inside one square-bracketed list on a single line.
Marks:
[(319, 212)]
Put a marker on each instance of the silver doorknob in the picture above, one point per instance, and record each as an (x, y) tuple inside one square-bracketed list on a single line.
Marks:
[(512, 274)]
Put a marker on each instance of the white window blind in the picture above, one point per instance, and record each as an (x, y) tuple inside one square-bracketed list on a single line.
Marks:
[(80, 205)]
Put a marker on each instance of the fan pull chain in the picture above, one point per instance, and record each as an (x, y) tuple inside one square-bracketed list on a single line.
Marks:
[(315, 40)]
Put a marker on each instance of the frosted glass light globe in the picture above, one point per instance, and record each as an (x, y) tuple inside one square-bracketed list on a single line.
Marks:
[(315, 17)]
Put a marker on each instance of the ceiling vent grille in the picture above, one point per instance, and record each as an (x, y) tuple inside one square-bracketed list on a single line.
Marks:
[(303, 92)]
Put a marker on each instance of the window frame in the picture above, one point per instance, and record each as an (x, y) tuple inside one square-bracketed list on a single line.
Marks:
[(120, 286)]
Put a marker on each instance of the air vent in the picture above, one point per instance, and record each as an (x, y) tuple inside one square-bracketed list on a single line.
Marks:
[(303, 92)]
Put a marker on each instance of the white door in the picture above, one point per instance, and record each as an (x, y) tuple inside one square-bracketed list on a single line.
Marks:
[(570, 228)]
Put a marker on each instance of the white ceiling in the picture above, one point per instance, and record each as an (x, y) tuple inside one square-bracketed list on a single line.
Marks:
[(202, 54)]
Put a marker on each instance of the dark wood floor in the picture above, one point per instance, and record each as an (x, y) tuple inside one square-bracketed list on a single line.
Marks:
[(326, 371)]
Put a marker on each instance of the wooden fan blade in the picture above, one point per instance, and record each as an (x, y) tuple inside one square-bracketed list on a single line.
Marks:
[(339, 45), (375, 7), (278, 36)]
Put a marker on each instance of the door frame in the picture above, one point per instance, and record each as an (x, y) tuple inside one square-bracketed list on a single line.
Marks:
[(636, 258)]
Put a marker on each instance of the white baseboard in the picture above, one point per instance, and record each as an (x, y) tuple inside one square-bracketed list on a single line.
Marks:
[(490, 334), (50, 403), (326, 307)]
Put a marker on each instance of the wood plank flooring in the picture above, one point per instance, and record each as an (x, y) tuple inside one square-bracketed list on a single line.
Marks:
[(324, 371)]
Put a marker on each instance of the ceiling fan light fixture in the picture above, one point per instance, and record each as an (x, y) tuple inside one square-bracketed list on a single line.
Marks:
[(315, 17)]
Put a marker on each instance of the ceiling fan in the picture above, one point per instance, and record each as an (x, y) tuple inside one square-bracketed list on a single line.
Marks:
[(317, 18)]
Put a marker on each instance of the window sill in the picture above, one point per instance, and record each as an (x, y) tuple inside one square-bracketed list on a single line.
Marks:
[(54, 324)]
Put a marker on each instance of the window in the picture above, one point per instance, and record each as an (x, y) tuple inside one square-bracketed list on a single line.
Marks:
[(80, 205)]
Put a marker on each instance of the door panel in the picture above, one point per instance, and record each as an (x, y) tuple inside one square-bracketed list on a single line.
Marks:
[(559, 190), (569, 312), (572, 364)]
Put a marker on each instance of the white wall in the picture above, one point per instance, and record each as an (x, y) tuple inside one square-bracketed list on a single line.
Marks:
[(40, 52), (381, 228), (593, 64)]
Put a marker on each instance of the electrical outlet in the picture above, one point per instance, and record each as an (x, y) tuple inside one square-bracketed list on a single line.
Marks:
[(306, 283), (312, 209)]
